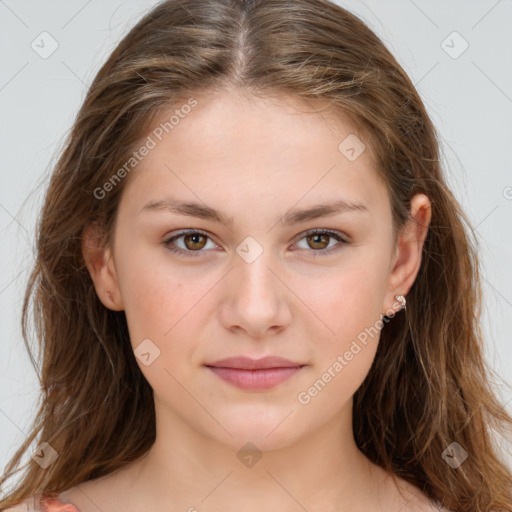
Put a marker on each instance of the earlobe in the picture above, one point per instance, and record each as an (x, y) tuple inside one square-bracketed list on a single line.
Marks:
[(100, 263), (409, 248)]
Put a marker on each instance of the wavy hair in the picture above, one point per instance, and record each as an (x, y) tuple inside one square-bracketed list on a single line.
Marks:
[(429, 384)]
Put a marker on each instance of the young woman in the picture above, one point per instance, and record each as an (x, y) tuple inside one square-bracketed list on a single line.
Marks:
[(253, 288)]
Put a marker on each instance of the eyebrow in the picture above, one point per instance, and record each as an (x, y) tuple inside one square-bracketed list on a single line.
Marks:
[(294, 216)]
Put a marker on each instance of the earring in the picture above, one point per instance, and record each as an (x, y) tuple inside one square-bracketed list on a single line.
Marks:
[(109, 293), (401, 300)]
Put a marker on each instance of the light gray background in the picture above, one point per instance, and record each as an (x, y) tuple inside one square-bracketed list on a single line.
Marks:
[(469, 99)]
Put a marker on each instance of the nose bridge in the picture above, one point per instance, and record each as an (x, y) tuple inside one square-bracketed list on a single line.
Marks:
[(253, 266), (257, 299)]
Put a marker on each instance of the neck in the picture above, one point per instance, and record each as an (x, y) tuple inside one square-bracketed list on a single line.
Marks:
[(194, 472)]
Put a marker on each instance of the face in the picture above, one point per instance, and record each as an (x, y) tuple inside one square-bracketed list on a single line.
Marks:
[(242, 273)]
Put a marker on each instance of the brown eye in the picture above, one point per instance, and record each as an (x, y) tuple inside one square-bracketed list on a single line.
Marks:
[(188, 243), (194, 242), (318, 241)]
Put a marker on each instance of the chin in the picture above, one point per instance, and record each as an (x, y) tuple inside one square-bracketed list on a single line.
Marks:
[(266, 434), (254, 440)]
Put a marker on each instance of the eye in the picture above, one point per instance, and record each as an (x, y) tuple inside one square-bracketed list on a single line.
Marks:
[(194, 241), (318, 240)]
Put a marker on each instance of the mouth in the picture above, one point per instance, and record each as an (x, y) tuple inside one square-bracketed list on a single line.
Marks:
[(255, 374)]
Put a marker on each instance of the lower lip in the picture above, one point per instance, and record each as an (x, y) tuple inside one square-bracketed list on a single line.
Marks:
[(255, 380)]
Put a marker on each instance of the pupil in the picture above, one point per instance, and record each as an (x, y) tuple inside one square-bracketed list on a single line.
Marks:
[(194, 238), (317, 238)]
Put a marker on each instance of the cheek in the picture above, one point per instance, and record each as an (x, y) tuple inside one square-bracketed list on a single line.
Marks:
[(342, 358), (347, 306), (347, 299), (168, 305), (157, 299), (164, 307)]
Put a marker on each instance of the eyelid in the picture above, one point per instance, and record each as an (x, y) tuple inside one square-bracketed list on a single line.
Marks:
[(332, 232), (341, 238), (191, 231)]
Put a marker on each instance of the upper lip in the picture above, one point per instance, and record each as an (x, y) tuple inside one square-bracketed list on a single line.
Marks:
[(248, 363)]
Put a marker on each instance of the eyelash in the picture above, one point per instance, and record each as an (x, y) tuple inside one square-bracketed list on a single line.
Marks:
[(189, 253)]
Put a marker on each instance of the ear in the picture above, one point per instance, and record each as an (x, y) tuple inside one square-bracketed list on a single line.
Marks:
[(100, 262), (407, 259)]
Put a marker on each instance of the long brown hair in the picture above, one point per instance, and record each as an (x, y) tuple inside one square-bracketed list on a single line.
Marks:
[(429, 385)]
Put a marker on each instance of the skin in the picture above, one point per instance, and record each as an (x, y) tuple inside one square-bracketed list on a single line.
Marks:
[(254, 160)]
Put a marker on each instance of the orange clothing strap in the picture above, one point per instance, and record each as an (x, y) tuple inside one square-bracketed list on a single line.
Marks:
[(55, 505)]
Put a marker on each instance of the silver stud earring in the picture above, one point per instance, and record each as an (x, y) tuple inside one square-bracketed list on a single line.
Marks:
[(401, 300)]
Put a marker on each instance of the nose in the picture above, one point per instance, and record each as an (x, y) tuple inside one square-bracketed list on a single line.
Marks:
[(257, 300)]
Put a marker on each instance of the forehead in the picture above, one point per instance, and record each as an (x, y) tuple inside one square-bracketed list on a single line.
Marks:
[(231, 143), (275, 122)]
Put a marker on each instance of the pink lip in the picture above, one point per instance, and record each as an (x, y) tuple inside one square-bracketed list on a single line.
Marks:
[(255, 374)]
